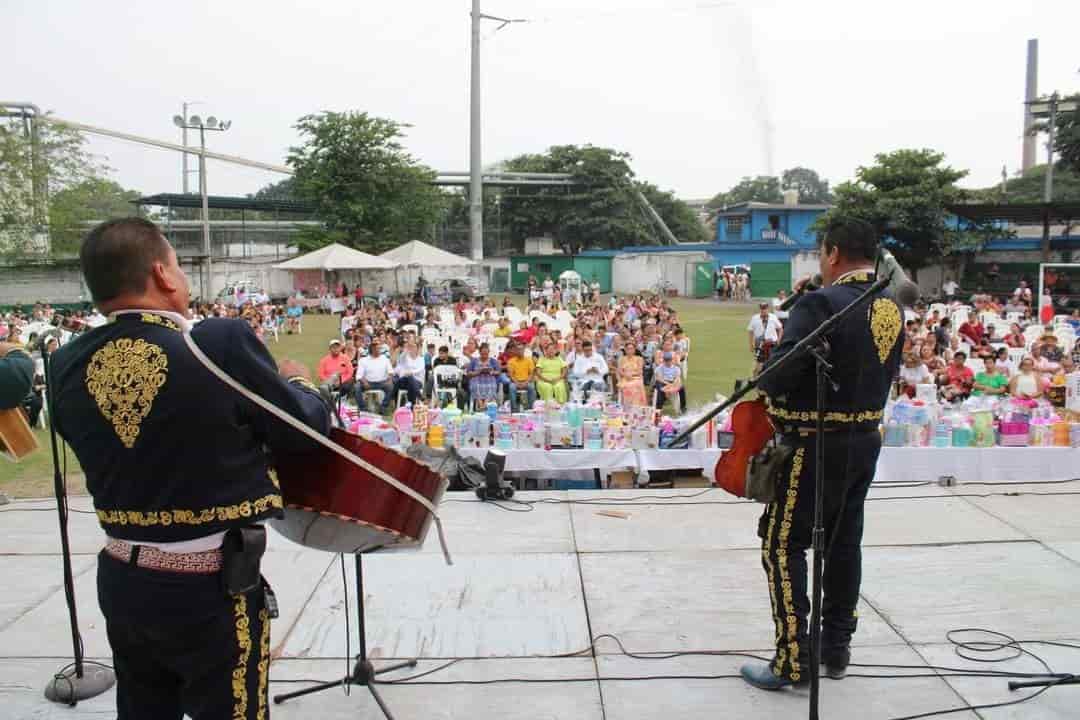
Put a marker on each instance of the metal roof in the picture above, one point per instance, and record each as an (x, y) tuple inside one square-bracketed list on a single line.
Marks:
[(223, 202), (743, 207), (1017, 212)]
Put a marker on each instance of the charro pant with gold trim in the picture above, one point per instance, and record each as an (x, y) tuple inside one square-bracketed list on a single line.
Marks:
[(786, 528), (180, 646)]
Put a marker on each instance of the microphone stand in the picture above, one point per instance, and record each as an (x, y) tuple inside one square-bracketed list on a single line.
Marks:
[(815, 346), (71, 684)]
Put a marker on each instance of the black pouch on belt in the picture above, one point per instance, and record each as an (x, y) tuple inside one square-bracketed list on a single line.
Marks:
[(241, 555)]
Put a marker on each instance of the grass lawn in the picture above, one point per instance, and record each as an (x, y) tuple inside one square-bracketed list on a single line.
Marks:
[(718, 355)]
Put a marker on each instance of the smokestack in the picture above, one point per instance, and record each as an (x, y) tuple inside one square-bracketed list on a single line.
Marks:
[(1031, 91)]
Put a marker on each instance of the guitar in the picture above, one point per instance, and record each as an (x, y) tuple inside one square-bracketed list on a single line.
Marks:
[(16, 439), (746, 468)]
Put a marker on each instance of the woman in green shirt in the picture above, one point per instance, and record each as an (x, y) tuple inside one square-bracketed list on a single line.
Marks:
[(551, 375), (991, 381)]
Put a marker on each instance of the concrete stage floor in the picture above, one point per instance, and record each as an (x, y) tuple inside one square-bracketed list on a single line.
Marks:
[(681, 573)]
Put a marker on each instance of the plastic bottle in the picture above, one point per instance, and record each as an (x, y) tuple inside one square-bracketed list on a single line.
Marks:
[(492, 410), (403, 418)]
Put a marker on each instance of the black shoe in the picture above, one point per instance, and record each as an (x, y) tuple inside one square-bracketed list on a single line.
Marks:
[(836, 663)]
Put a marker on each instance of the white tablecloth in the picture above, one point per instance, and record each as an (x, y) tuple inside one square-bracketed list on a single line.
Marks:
[(991, 465), (556, 460)]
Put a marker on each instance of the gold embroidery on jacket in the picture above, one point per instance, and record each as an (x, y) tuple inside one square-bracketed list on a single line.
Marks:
[(159, 320), (124, 377), (220, 513), (885, 325), (243, 643), (830, 417)]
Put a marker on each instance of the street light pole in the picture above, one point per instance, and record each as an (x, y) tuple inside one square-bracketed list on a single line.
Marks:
[(183, 132), (209, 287), (197, 123)]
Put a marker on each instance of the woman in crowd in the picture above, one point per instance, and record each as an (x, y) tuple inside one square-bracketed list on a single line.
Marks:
[(1014, 338), (551, 372), (1027, 383), (959, 379), (483, 374), (991, 381), (631, 374)]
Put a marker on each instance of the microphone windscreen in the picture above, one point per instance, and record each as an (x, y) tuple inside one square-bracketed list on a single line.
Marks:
[(907, 293)]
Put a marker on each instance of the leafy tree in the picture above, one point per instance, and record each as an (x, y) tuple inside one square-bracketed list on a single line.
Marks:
[(1067, 137), (905, 195), (61, 161), (812, 188), (280, 190), (72, 208), (763, 188), (369, 192), (1028, 187), (602, 210)]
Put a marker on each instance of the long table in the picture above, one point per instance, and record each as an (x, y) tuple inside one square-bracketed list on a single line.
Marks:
[(967, 465)]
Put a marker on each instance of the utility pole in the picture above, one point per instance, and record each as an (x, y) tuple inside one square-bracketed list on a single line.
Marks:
[(476, 199), (476, 190), (183, 133)]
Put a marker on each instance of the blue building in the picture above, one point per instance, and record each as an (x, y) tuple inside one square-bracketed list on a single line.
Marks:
[(770, 238)]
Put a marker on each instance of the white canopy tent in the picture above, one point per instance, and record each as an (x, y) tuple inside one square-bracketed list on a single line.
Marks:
[(337, 258), (416, 257)]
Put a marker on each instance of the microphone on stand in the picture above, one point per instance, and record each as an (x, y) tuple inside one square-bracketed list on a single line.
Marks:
[(901, 286), (809, 286)]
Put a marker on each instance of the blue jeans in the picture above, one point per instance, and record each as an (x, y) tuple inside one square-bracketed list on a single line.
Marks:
[(409, 384), (530, 390), (387, 388)]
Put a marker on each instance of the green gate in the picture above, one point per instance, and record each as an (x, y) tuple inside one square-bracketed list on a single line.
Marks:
[(703, 279), (766, 278)]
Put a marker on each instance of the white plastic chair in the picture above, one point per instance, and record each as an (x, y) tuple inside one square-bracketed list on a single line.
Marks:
[(940, 308), (1016, 355), (498, 345), (410, 328), (445, 382), (1032, 333)]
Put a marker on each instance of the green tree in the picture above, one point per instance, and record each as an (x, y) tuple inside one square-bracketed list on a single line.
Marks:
[(763, 188), (1067, 137), (369, 192), (905, 195), (60, 161), (92, 200), (280, 190), (601, 210), (1028, 188), (812, 188)]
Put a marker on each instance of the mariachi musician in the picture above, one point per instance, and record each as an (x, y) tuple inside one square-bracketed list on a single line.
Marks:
[(866, 349), (16, 381), (177, 468)]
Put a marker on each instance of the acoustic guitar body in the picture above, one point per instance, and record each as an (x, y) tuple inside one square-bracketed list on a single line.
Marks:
[(17, 440), (752, 429)]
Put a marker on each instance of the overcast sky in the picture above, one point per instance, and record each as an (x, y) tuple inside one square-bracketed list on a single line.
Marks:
[(700, 92)]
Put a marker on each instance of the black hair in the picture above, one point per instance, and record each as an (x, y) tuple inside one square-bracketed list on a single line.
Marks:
[(443, 348), (117, 257), (960, 354), (856, 239)]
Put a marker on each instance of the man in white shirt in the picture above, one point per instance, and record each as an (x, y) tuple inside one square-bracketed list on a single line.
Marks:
[(765, 332), (949, 289), (373, 373), (590, 369), (410, 372)]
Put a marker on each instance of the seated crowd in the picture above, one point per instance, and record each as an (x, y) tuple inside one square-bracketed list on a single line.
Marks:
[(631, 348), (988, 348)]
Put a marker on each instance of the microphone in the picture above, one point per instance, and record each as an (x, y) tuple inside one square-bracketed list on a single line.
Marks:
[(902, 288), (809, 286)]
